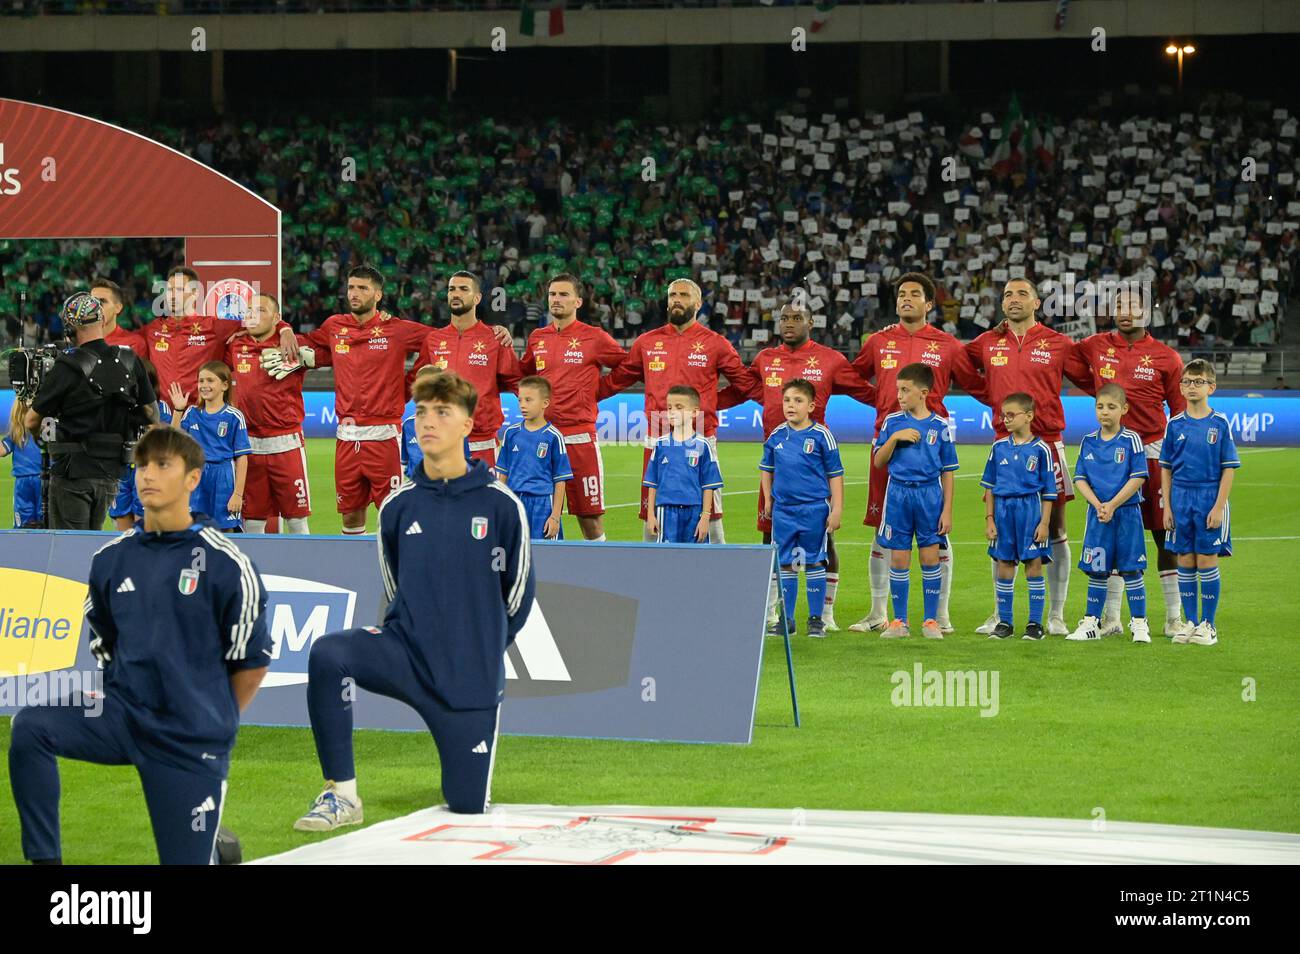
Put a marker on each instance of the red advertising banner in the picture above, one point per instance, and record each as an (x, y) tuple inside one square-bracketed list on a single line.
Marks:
[(63, 175)]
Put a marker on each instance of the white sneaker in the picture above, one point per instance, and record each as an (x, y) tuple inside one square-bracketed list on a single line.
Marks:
[(988, 625), (828, 622), (869, 624), (330, 810), (1182, 634), (945, 624), (1111, 626), (1177, 625), (1140, 630), (1204, 634), (1089, 628), (773, 617), (1056, 626)]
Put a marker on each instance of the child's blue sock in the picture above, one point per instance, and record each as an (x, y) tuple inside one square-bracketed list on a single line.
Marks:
[(1037, 597), (899, 581), (1209, 594), (930, 585), (1096, 594), (789, 591), (1006, 593), (1136, 589), (1187, 593), (815, 584)]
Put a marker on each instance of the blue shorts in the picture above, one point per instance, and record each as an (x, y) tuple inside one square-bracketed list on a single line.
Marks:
[(213, 493), (1119, 545), (910, 510), (1191, 504), (538, 507), (799, 532), (1016, 519), (677, 522), (27, 501), (127, 502)]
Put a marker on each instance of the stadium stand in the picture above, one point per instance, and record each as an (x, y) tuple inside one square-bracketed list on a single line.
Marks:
[(753, 206)]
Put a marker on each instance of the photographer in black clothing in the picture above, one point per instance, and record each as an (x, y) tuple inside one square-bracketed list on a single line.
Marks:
[(88, 412)]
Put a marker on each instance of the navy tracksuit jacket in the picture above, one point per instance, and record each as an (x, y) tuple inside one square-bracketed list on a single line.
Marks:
[(171, 615), (456, 564)]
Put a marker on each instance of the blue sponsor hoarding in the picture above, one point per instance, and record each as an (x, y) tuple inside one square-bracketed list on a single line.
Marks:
[(626, 640), (1262, 418)]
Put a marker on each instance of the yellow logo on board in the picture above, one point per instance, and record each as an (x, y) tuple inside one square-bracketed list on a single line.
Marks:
[(40, 621)]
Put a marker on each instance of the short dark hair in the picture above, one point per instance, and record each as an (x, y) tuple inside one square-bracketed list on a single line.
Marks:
[(569, 277), (1200, 366), (539, 382), (111, 285), (190, 274), (922, 375), (271, 298), (797, 304), (927, 285), (478, 286), (1021, 400), (367, 273), (801, 385), (446, 388), (686, 391), (161, 442), (1111, 389)]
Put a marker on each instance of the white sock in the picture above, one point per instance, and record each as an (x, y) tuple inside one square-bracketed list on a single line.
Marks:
[(773, 596), (832, 584), (1058, 579), (599, 539), (1114, 593), (994, 564), (297, 525), (878, 572), (254, 526), (716, 534), (347, 789), (354, 531), (647, 536), (945, 579), (1169, 587)]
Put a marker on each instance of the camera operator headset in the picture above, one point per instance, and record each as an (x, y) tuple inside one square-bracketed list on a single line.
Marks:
[(90, 409)]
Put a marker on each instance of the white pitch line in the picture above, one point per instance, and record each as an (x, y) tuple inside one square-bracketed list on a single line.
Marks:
[(725, 495)]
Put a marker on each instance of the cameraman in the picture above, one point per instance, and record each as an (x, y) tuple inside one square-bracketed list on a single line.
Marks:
[(98, 398)]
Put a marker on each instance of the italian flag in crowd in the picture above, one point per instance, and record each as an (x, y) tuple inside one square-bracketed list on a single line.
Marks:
[(1008, 156), (1043, 147), (821, 14), (542, 18)]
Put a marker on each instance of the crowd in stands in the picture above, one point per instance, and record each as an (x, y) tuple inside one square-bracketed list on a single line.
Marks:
[(1201, 206)]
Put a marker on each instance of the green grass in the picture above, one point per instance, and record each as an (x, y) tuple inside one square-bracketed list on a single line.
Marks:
[(1155, 733)]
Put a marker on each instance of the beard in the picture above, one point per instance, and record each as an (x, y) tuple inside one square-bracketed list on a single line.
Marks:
[(361, 309), (682, 317), (465, 308)]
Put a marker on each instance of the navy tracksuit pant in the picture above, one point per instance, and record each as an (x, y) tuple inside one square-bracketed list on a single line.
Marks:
[(184, 804), (378, 662)]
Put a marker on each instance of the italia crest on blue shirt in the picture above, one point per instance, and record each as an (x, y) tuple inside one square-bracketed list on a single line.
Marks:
[(478, 528), (541, 450), (808, 445), (221, 429), (1031, 463), (188, 583), (1212, 435), (693, 460), (1119, 455), (932, 437)]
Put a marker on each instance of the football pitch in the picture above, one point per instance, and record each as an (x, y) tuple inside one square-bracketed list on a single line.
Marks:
[(1161, 733)]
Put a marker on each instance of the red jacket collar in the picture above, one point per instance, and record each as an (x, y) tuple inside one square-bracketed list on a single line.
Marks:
[(1117, 340)]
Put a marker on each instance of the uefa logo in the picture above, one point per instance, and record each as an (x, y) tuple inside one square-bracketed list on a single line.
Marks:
[(229, 298)]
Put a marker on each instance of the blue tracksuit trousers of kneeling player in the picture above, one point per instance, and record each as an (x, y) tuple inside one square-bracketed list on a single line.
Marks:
[(456, 564), (184, 804), (377, 660)]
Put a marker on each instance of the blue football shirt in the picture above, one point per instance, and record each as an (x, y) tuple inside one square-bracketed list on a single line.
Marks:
[(1107, 465), (26, 460), (802, 463), (1014, 470), (223, 434), (926, 459), (680, 471), (1197, 451), (533, 462)]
